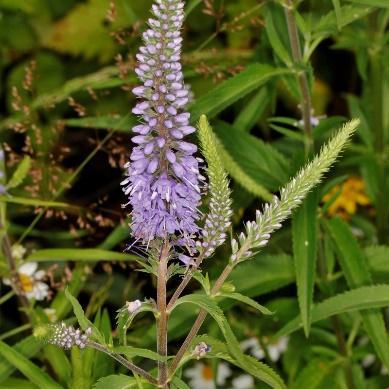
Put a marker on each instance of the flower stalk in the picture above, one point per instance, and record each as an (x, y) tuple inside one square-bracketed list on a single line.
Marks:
[(306, 103), (162, 320)]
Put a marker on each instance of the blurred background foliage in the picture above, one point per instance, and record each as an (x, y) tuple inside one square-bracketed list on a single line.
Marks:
[(66, 74)]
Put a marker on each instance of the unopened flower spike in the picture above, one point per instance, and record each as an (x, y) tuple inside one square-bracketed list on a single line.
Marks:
[(163, 176), (64, 336)]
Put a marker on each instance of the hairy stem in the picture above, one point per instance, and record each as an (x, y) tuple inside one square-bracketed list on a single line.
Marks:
[(306, 104), (185, 281), (129, 365), (199, 321), (163, 316)]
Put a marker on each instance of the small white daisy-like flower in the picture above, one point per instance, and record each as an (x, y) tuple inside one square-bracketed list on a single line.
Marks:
[(202, 376), (30, 281), (253, 347), (276, 349), (243, 381)]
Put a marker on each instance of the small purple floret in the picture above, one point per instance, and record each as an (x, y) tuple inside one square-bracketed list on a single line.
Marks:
[(163, 176)]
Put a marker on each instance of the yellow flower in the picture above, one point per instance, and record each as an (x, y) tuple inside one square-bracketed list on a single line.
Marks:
[(350, 195)]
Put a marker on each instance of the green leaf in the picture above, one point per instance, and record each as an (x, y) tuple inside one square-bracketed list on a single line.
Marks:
[(255, 165), (83, 321), (232, 90), (253, 110), (366, 297), (312, 375), (35, 374), (88, 255), (338, 12), (178, 383), (34, 202), (304, 232), (209, 305), (191, 5), (275, 38), (103, 122), (125, 318), (378, 260), (356, 271), (116, 382), (271, 273), (71, 35), (18, 383), (246, 300), (249, 364), (20, 173), (27, 347), (372, 3), (132, 352)]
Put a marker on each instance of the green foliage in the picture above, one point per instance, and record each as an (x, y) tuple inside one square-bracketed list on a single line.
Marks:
[(312, 308), (304, 255)]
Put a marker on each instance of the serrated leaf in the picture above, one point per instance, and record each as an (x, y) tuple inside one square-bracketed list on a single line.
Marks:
[(85, 255), (131, 352), (20, 173), (356, 271), (246, 300), (209, 305), (338, 12), (83, 321), (125, 319), (367, 297), (27, 368), (116, 382), (304, 232), (230, 91), (251, 365)]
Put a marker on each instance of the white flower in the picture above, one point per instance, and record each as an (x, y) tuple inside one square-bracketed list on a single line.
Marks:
[(276, 349), (133, 306), (30, 281), (202, 375), (252, 345), (244, 381), (18, 252)]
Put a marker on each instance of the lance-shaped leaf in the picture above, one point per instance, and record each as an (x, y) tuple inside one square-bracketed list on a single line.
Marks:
[(304, 230), (356, 271)]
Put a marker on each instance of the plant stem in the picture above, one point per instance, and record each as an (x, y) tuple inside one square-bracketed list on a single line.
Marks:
[(306, 104), (376, 96), (199, 321), (129, 365), (162, 320), (185, 281), (7, 250)]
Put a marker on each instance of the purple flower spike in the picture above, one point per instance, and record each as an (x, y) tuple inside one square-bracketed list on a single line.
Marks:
[(163, 176)]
